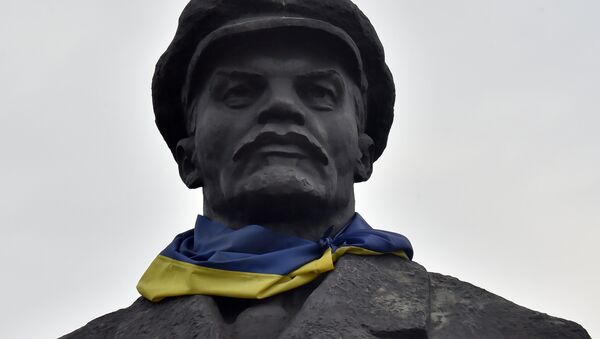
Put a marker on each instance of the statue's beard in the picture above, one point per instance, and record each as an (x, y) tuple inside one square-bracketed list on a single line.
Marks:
[(285, 197)]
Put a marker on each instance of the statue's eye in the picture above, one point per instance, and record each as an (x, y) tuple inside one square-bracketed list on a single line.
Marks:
[(239, 96), (318, 92), (236, 89), (317, 96)]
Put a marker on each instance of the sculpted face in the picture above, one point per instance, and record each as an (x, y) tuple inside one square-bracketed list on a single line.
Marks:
[(275, 128)]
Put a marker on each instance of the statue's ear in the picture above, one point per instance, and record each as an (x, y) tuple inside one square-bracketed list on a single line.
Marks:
[(189, 170), (364, 165)]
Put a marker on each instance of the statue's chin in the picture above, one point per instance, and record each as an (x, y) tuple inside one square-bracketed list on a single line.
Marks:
[(282, 181), (278, 193)]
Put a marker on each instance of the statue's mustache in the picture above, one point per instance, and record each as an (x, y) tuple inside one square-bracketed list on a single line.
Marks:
[(311, 147)]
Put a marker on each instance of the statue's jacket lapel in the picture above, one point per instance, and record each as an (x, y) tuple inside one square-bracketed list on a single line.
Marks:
[(366, 297)]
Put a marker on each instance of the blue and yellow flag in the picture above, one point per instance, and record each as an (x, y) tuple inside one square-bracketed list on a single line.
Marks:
[(255, 262)]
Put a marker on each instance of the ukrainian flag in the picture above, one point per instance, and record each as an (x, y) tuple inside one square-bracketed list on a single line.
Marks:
[(255, 262)]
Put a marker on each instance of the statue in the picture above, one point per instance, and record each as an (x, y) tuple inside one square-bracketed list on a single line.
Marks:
[(276, 108)]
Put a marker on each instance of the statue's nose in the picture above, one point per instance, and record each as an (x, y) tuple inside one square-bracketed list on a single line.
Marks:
[(281, 107)]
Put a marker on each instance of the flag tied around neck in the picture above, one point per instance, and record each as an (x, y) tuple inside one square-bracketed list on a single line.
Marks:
[(254, 262)]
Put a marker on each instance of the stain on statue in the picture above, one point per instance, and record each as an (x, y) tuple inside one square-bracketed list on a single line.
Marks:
[(276, 109)]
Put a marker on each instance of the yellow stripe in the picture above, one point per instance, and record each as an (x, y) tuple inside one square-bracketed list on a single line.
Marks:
[(168, 277), (362, 251)]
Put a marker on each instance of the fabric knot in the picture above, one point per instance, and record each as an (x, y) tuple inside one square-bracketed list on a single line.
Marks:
[(326, 242)]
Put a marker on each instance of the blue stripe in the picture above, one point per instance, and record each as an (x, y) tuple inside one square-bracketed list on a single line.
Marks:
[(254, 248)]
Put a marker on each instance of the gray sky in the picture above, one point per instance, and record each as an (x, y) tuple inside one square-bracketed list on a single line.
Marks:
[(492, 168)]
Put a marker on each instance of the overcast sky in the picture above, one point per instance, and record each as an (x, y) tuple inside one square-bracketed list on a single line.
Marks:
[(492, 168)]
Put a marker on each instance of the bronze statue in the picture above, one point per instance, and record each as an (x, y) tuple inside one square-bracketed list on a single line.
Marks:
[(276, 108)]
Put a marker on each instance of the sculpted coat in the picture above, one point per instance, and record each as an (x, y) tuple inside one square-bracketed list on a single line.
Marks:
[(364, 297)]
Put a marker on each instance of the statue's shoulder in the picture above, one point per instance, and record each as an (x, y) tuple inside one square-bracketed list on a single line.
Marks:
[(403, 297), (462, 310), (182, 317), (364, 297)]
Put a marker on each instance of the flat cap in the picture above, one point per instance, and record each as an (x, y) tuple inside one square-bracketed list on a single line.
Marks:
[(201, 18)]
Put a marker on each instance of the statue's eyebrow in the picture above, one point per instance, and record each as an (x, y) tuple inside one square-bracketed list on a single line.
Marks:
[(329, 75), (222, 77), (322, 73)]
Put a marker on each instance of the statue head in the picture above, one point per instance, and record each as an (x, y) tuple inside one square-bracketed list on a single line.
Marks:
[(275, 108)]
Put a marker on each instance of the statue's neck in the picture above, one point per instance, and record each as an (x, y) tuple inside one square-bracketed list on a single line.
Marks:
[(309, 224)]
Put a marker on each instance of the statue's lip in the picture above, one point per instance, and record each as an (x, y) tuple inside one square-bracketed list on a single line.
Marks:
[(290, 144), (284, 150)]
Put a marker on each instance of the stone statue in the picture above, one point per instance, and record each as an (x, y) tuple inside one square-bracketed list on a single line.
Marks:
[(276, 108)]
